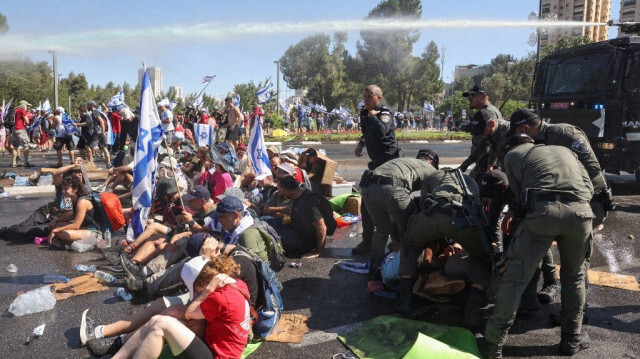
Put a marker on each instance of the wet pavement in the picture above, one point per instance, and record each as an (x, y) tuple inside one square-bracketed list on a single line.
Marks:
[(334, 300)]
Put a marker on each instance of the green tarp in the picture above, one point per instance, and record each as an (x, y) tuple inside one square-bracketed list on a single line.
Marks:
[(391, 337), (338, 201)]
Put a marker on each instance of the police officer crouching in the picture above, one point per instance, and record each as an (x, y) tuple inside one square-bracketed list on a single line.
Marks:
[(551, 193)]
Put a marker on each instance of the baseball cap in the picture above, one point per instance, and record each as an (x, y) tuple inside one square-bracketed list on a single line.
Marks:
[(195, 243), (191, 270), (242, 145), (60, 109), (479, 121), (520, 117), (491, 180), (24, 103), (518, 139), (197, 192), (474, 90), (262, 175), (166, 186), (290, 157), (274, 149), (91, 103), (226, 205), (232, 192), (430, 154), (287, 167)]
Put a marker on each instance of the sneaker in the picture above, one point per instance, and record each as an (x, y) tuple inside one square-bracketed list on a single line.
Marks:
[(115, 269), (548, 294), (556, 317), (103, 346), (571, 344), (361, 249), (112, 255), (132, 269), (87, 326), (133, 284)]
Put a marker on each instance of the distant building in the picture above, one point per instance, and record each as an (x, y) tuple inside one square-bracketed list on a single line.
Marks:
[(470, 71), (629, 12), (179, 92), (155, 78), (576, 10)]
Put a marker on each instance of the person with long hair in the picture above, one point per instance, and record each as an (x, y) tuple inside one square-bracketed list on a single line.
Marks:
[(83, 222), (215, 297)]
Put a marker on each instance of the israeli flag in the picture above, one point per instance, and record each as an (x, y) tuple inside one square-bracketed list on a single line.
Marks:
[(345, 112), (173, 105), (284, 107), (68, 124), (264, 95), (6, 108), (110, 139), (361, 104), (46, 106), (258, 151), (428, 107), (117, 100), (35, 124), (205, 135), (208, 78), (197, 102), (145, 160), (236, 100)]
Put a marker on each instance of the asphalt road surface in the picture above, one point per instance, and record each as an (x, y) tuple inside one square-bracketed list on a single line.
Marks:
[(335, 301)]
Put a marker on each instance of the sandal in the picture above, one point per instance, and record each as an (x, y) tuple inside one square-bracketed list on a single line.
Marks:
[(130, 248)]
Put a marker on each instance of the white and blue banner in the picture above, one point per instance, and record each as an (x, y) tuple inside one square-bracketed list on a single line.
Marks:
[(205, 135), (110, 137), (208, 78), (6, 108), (264, 94), (345, 112), (361, 104), (428, 107), (117, 100), (145, 160), (236, 100), (258, 150), (284, 107), (197, 102), (173, 105), (69, 126)]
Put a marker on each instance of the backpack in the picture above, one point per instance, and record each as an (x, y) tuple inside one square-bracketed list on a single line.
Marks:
[(272, 240), (111, 209), (327, 212), (10, 118), (271, 306)]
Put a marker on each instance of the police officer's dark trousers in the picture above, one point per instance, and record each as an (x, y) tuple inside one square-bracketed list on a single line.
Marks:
[(569, 224)]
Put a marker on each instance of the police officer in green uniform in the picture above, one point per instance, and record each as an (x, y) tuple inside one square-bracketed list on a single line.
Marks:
[(551, 192), (566, 135), (489, 133), (379, 138), (440, 218), (386, 192)]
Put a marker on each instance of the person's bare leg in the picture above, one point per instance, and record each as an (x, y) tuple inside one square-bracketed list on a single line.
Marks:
[(135, 321), (72, 155), (164, 328), (152, 229), (149, 250), (59, 155), (107, 157)]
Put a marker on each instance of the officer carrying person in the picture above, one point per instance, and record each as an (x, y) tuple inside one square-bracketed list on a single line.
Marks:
[(551, 192), (489, 131), (573, 138), (379, 138)]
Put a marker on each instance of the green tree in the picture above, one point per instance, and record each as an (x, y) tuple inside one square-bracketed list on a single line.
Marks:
[(22, 79), (4, 25), (455, 102), (509, 79), (565, 42)]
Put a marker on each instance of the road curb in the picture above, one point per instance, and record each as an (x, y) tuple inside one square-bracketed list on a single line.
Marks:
[(21, 190)]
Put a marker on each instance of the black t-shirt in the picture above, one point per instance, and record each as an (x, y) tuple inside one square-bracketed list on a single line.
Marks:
[(88, 129), (305, 210), (248, 274)]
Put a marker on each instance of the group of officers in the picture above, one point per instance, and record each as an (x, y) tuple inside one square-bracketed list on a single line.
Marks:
[(551, 181)]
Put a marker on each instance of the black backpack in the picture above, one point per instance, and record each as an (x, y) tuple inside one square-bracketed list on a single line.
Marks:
[(10, 118)]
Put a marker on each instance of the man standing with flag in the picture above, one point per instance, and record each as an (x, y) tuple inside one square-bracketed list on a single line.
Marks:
[(234, 117), (63, 139), (145, 160), (19, 137)]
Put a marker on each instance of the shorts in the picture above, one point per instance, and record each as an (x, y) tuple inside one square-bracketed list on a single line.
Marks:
[(169, 136), (20, 139), (197, 349), (232, 133), (182, 299), (63, 141), (83, 140), (98, 139)]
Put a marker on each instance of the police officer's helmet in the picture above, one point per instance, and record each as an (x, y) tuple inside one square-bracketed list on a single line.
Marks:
[(518, 139), (429, 155)]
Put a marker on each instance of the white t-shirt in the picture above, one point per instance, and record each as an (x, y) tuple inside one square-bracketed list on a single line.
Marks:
[(57, 122), (167, 120)]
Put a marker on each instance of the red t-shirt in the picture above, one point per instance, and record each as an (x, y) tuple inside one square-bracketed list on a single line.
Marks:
[(220, 182), (21, 115), (115, 118), (228, 321), (298, 176), (205, 119)]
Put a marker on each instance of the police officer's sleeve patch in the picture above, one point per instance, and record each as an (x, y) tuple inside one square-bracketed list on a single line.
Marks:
[(580, 146), (385, 118)]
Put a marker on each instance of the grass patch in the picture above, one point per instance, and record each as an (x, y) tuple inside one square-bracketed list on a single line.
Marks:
[(330, 137)]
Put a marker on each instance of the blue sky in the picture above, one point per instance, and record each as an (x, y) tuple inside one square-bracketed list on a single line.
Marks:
[(235, 40)]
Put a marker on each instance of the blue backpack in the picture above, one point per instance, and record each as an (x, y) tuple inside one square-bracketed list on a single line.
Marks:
[(271, 307)]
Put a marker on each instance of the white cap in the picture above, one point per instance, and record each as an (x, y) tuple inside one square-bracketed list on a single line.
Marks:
[(60, 109), (261, 176), (191, 270)]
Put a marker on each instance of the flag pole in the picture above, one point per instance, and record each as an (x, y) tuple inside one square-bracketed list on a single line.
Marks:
[(175, 179)]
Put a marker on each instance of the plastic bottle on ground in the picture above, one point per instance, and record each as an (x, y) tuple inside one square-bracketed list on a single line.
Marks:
[(107, 237), (109, 278), (85, 268), (54, 278), (85, 244), (11, 268), (33, 301), (122, 293)]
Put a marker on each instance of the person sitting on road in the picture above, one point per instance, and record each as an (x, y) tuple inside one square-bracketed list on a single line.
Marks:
[(215, 297), (85, 218)]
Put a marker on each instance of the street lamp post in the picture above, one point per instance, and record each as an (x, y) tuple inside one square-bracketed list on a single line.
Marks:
[(277, 62), (55, 75)]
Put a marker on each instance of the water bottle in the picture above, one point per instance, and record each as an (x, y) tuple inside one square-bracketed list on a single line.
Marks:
[(104, 276), (85, 268), (107, 237), (55, 279), (122, 293)]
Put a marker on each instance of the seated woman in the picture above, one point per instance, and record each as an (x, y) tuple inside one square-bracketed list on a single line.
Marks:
[(218, 299), (85, 220)]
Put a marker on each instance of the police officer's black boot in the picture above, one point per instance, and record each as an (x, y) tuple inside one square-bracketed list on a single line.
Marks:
[(549, 291), (405, 296), (473, 316), (489, 350), (573, 343)]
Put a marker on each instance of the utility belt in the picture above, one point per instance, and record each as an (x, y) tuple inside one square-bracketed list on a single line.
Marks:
[(368, 178), (432, 205), (554, 197)]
